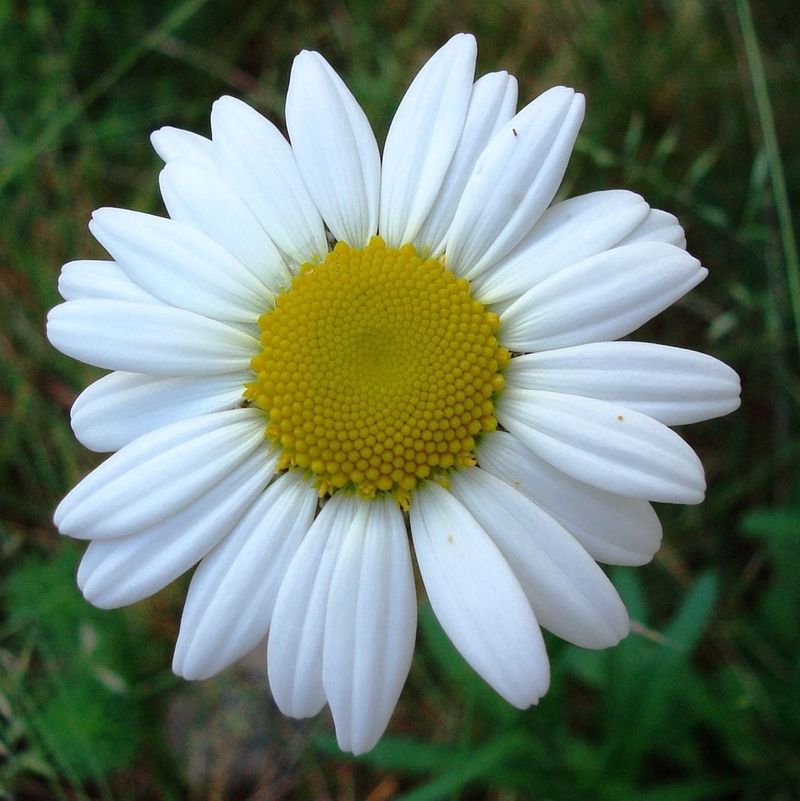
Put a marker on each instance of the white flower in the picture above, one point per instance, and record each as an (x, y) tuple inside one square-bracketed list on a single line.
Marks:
[(257, 371)]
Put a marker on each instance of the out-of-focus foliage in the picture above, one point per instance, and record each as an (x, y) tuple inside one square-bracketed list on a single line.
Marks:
[(702, 701)]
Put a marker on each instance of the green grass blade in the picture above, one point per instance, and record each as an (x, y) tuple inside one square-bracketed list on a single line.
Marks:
[(123, 65), (766, 119)]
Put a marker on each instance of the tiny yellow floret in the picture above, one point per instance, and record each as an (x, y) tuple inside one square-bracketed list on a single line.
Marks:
[(378, 370)]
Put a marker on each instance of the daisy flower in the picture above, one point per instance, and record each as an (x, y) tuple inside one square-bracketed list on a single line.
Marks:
[(325, 356)]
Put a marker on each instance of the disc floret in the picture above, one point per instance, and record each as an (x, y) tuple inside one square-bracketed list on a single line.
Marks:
[(378, 370)]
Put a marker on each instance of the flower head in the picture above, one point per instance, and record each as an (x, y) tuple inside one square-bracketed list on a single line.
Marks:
[(324, 349)]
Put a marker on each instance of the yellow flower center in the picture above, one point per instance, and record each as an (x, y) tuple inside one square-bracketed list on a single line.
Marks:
[(378, 370)]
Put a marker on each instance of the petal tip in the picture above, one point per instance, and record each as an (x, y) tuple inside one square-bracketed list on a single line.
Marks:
[(159, 140), (60, 513), (99, 595), (188, 670), (694, 497), (156, 139), (308, 56), (464, 39), (227, 104)]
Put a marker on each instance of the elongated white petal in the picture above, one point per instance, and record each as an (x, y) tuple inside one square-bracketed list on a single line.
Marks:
[(232, 594), (514, 181), (492, 103), (477, 598), (335, 149), (258, 162), (423, 137), (612, 528), (100, 279), (672, 385), (294, 650), (370, 625), (158, 474), (198, 197), (123, 570), (180, 265), (565, 234), (603, 297), (175, 143), (143, 338), (658, 226), (120, 407), (604, 444), (569, 593)]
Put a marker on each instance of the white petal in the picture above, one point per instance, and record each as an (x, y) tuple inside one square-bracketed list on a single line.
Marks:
[(672, 385), (159, 473), (603, 297), (658, 226), (423, 137), (370, 625), (99, 279), (198, 197), (570, 595), (120, 407), (180, 265), (335, 149), (492, 103), (175, 143), (232, 594), (566, 233), (514, 181), (258, 162), (123, 570), (477, 598), (604, 444), (141, 338), (294, 649), (612, 528)]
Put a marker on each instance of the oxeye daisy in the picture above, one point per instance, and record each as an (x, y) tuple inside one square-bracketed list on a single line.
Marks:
[(325, 356)]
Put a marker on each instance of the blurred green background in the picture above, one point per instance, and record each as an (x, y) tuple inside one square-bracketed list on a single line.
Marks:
[(692, 104)]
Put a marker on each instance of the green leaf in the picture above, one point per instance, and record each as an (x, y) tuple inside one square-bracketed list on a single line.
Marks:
[(691, 790), (779, 530), (477, 765), (88, 732), (399, 754), (77, 700), (652, 677)]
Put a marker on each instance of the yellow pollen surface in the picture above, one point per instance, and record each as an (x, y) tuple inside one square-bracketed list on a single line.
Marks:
[(378, 370)]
